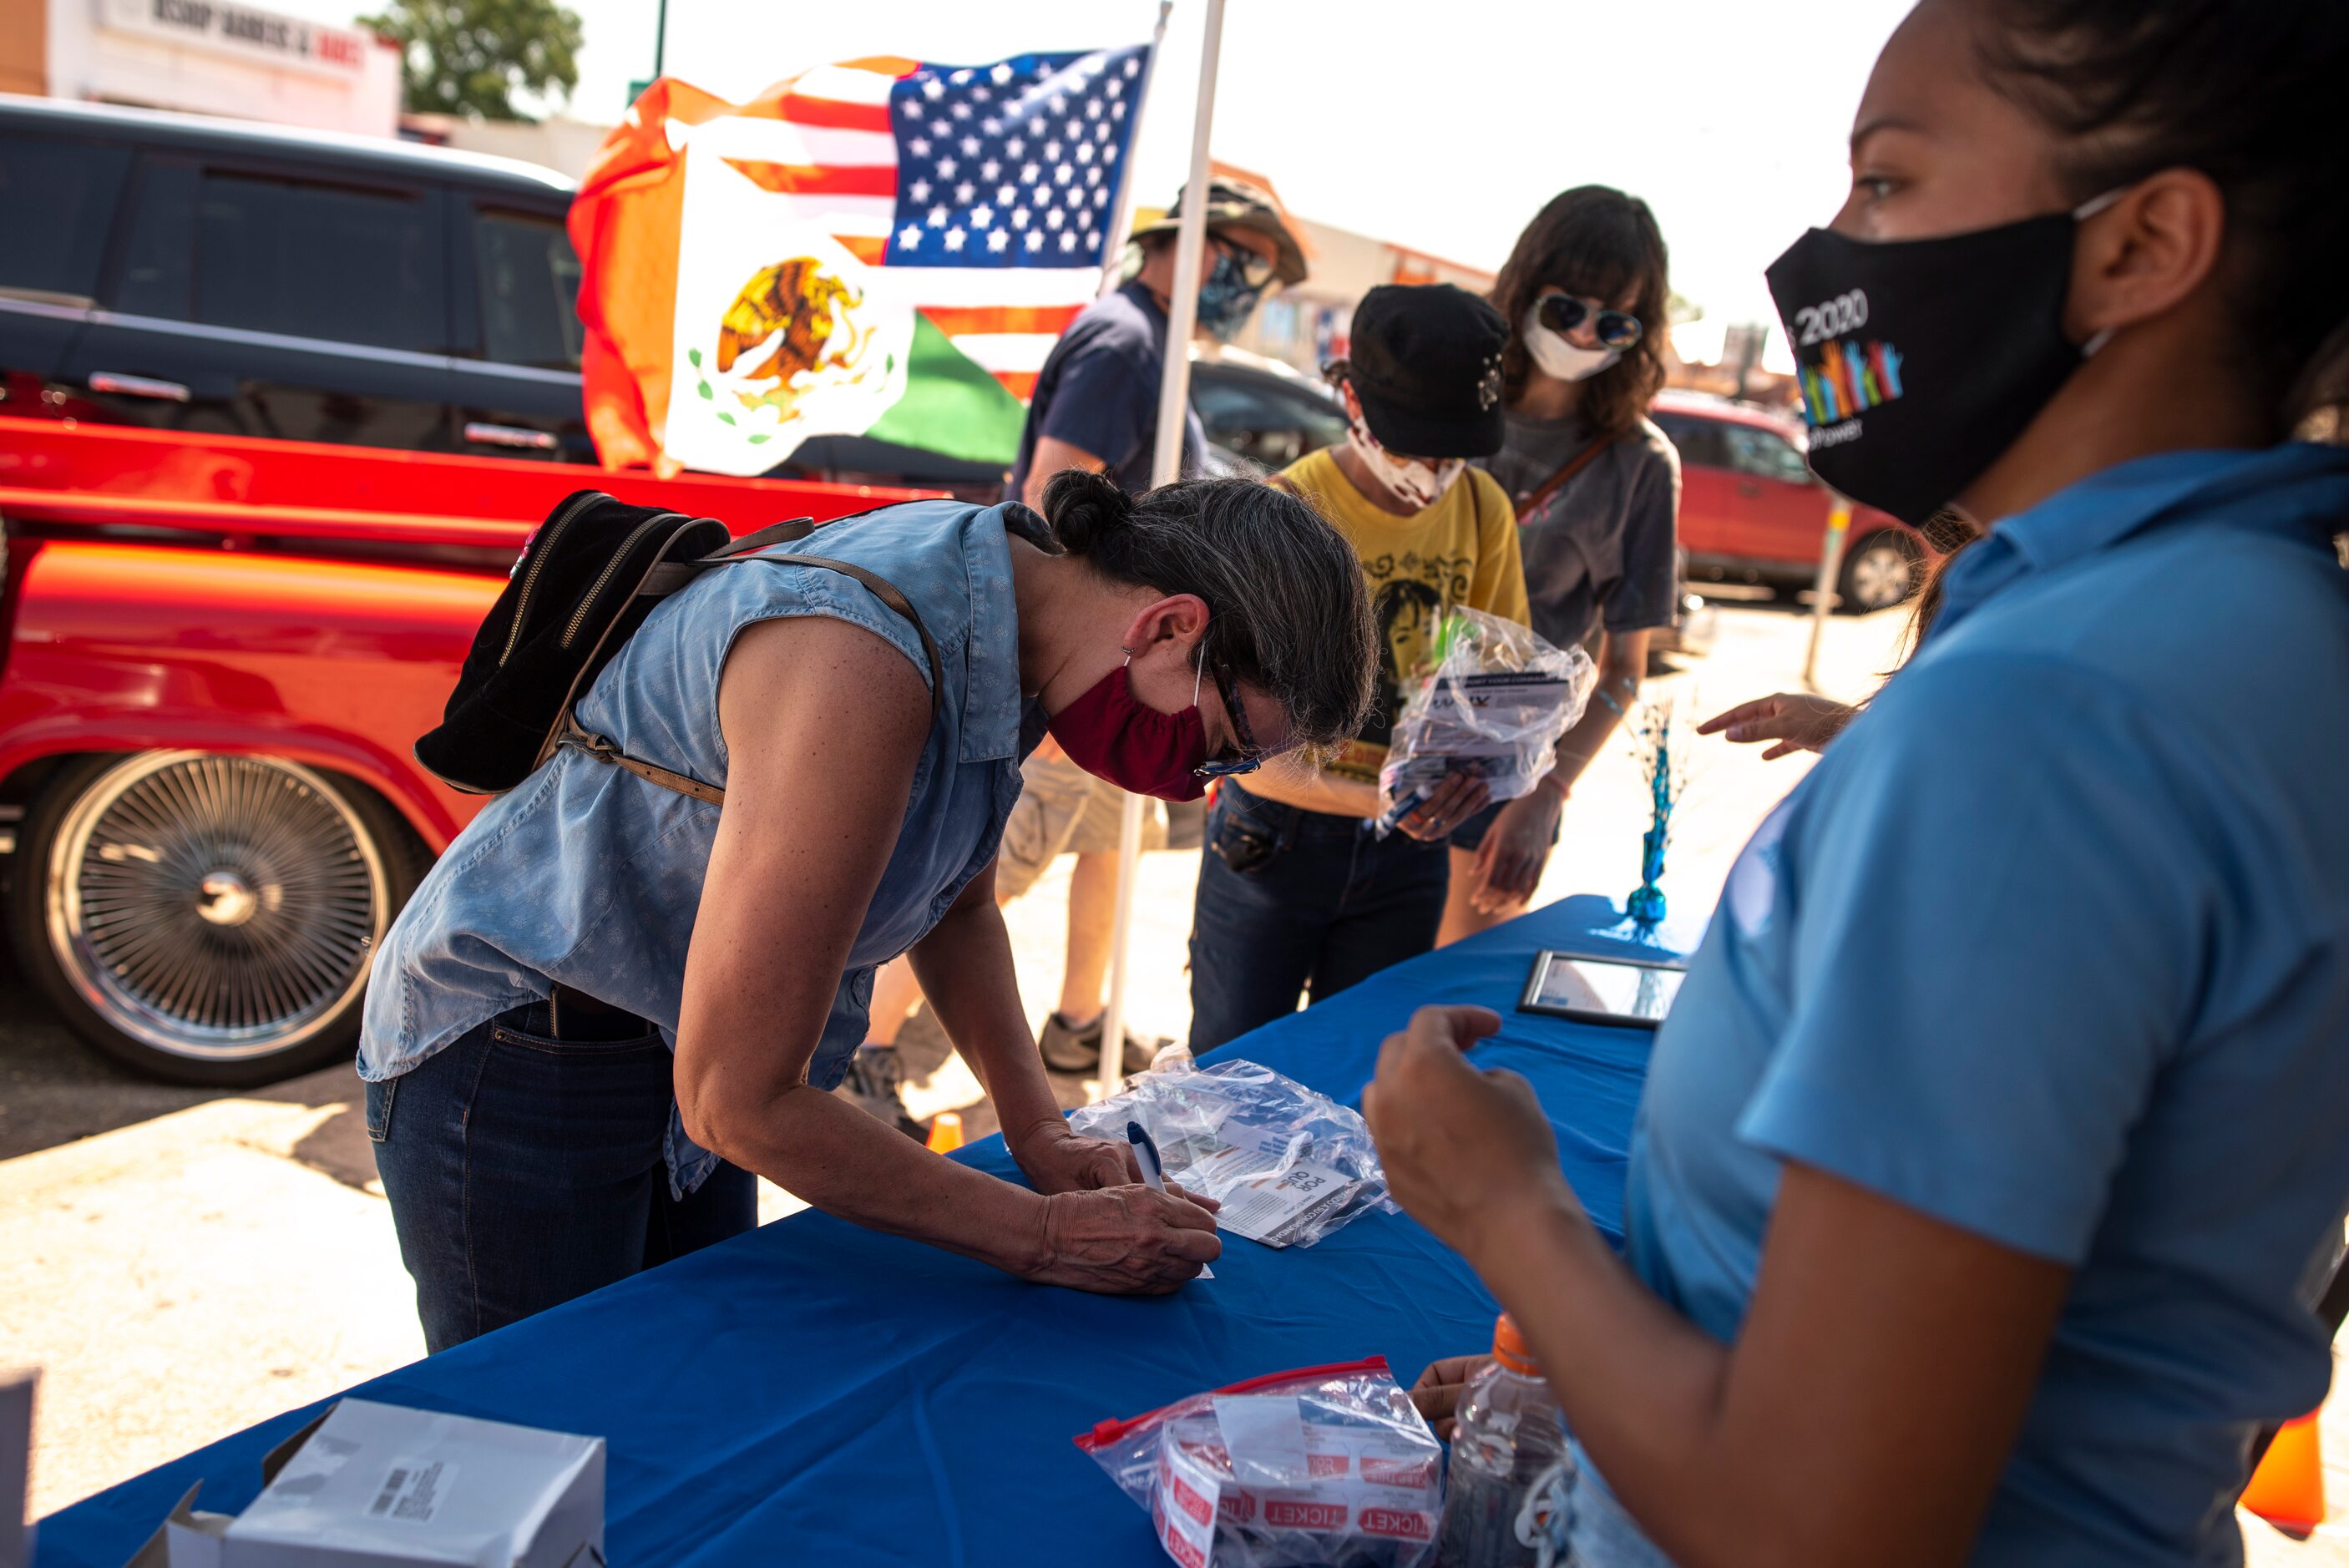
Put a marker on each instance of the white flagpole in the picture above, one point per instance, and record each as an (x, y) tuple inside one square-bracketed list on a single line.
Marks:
[(1174, 406), (1113, 256)]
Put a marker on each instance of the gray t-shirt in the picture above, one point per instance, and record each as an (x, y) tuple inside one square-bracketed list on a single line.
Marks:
[(1600, 550)]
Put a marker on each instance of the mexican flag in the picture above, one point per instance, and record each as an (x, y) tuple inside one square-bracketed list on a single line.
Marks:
[(886, 248)]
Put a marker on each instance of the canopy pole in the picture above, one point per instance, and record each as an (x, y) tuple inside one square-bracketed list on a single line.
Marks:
[(1174, 404)]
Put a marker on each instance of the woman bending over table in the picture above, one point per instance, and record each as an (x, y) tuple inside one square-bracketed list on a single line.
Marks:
[(609, 1004), (1997, 1147)]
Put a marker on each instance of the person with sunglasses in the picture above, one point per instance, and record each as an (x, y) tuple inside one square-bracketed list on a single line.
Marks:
[(1597, 490), (610, 1004), (1294, 896)]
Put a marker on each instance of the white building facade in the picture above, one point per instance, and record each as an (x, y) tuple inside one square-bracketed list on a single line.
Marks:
[(214, 57)]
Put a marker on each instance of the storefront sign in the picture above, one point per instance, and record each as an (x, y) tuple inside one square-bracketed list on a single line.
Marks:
[(262, 37)]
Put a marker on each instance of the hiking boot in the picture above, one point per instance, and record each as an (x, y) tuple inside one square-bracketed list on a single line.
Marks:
[(1072, 1050), (872, 1084)]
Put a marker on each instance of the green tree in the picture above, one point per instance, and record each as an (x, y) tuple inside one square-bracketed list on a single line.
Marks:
[(470, 57)]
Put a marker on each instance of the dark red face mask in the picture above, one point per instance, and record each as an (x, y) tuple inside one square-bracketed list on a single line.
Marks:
[(1111, 736)]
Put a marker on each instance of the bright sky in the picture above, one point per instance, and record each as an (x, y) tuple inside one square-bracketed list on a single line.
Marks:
[(1442, 127)]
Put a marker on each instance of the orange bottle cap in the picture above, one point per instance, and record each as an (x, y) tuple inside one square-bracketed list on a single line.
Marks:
[(1510, 1348)]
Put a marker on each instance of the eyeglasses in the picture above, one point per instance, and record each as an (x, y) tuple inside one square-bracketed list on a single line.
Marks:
[(1256, 270), (1563, 313), (1251, 757)]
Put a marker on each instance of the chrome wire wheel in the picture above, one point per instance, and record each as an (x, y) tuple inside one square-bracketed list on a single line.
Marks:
[(215, 908), (1880, 574)]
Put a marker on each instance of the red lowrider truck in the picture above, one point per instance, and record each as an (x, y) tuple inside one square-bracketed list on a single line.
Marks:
[(217, 653)]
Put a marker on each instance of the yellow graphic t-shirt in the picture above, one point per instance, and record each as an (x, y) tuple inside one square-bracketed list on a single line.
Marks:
[(1463, 551)]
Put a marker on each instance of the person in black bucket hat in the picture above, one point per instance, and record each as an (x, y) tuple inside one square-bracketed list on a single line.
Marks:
[(1425, 371), (1293, 895)]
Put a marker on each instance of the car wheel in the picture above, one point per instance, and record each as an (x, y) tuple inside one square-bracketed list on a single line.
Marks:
[(205, 918), (1880, 571)]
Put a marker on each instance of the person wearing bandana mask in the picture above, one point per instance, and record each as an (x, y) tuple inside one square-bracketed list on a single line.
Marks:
[(610, 1004), (1988, 1175), (1597, 487), (1294, 896)]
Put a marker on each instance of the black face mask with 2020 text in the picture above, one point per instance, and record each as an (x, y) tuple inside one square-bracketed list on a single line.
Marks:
[(1922, 361)]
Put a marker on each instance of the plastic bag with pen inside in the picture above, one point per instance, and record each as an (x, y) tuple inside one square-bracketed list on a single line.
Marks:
[(1288, 1165), (1492, 707)]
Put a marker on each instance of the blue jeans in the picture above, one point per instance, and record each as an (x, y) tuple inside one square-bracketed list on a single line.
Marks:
[(525, 1170), (1296, 902)]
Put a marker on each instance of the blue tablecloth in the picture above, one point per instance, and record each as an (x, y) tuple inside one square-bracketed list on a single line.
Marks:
[(816, 1393)]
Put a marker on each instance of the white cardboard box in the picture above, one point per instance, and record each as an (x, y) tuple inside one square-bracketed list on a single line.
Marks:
[(382, 1486)]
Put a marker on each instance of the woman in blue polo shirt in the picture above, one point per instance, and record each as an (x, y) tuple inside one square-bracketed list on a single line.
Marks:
[(1998, 1145)]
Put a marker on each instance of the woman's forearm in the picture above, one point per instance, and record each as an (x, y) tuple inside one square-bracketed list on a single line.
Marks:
[(1641, 1385), (1617, 689), (843, 1160)]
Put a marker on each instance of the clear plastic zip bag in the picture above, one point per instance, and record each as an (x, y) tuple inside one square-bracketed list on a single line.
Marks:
[(1492, 707), (1288, 1165), (1325, 1465)]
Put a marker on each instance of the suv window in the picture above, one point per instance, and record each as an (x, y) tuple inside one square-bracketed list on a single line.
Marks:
[(320, 260), (529, 279), (1263, 421), (155, 276), (1766, 454), (71, 186)]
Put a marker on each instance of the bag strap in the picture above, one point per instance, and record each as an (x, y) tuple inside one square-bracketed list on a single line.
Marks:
[(1573, 466), (669, 577), (665, 577), (578, 738)]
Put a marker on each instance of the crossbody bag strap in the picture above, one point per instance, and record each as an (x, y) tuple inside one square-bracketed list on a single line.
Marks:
[(578, 738), (1573, 466), (669, 577)]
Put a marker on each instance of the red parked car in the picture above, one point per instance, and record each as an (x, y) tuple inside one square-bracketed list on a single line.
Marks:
[(215, 653), (1752, 511)]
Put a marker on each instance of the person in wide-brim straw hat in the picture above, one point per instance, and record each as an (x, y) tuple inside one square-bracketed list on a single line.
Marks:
[(1234, 203)]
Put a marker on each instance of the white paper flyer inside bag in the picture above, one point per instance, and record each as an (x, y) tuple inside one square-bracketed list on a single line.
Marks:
[(382, 1486)]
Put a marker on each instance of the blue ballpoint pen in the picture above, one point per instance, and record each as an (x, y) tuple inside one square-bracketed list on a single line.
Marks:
[(1154, 1170)]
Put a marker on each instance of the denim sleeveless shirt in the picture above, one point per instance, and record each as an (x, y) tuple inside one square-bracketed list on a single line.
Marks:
[(588, 876)]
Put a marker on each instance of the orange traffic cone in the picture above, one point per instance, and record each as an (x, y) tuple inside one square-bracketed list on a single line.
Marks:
[(946, 1132), (2288, 1489)]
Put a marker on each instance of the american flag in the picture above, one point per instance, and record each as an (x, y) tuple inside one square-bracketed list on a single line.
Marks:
[(993, 188)]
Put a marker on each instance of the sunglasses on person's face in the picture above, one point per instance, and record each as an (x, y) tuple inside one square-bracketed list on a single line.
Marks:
[(1251, 757), (1563, 314), (1256, 270)]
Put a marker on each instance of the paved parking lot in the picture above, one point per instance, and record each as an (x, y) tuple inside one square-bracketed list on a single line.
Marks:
[(183, 1263)]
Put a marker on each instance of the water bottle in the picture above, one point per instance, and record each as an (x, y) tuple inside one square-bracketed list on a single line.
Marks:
[(1509, 1439)]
